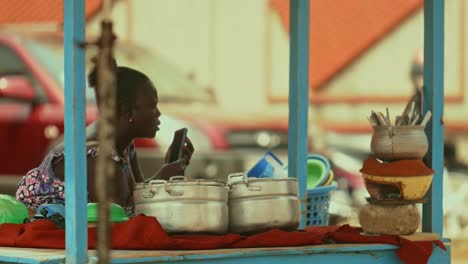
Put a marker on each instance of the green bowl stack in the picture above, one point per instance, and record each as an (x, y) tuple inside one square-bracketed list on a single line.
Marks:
[(117, 213)]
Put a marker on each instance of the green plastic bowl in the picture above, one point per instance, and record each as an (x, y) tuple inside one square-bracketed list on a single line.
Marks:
[(316, 173), (12, 211), (117, 213)]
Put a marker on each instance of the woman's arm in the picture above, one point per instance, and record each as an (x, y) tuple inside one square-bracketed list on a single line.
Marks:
[(116, 188), (176, 168), (165, 172), (136, 169)]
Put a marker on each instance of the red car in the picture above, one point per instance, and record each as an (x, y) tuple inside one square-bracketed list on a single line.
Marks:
[(32, 110)]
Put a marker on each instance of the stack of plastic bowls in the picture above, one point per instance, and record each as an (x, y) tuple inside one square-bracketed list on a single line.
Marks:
[(318, 171)]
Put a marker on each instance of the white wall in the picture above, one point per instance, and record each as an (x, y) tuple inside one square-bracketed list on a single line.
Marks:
[(221, 41), (240, 48), (384, 68), (381, 70)]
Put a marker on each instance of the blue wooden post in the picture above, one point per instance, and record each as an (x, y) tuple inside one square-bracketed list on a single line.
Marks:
[(434, 101), (75, 152), (298, 96)]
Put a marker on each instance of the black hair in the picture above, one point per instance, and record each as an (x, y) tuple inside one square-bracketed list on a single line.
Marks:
[(128, 81)]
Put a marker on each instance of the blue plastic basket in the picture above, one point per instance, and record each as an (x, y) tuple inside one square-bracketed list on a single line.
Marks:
[(318, 202)]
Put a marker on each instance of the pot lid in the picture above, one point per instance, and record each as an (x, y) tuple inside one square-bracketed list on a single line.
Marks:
[(183, 181), (256, 180), (180, 181)]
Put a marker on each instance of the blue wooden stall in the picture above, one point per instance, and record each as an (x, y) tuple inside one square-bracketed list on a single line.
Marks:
[(76, 251)]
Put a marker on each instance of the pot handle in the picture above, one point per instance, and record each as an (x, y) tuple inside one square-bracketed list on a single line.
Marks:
[(171, 192), (174, 193), (152, 192), (235, 175), (148, 194), (174, 178), (254, 188), (157, 182)]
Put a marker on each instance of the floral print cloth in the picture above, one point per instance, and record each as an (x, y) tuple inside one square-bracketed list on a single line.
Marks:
[(40, 185)]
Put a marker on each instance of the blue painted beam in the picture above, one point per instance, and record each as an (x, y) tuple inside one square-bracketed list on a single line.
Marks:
[(359, 254), (75, 150), (339, 253), (31, 260), (298, 96), (434, 101)]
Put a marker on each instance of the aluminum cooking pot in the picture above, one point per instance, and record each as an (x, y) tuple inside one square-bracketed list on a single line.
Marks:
[(259, 204), (185, 206)]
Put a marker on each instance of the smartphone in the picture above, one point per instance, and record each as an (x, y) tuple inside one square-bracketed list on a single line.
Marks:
[(177, 146)]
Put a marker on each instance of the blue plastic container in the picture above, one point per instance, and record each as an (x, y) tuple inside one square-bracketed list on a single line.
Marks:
[(318, 202), (47, 210), (267, 169)]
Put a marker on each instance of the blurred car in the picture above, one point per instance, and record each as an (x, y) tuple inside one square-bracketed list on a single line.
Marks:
[(32, 111)]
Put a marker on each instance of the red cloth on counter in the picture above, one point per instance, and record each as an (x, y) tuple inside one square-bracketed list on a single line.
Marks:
[(143, 232), (414, 252), (9, 233)]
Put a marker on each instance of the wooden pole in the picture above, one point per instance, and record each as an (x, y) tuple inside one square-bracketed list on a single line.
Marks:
[(105, 169)]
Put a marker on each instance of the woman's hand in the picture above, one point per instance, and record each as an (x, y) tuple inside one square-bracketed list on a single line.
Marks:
[(176, 168), (187, 152)]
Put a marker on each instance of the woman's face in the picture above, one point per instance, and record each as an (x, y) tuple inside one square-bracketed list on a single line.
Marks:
[(145, 120)]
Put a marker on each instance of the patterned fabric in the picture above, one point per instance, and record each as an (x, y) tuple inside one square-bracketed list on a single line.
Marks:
[(40, 185)]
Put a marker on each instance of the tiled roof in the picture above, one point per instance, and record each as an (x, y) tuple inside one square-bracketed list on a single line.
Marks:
[(341, 30), (39, 11)]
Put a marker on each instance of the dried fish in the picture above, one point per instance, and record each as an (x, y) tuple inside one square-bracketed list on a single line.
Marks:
[(426, 118), (382, 119), (388, 117), (375, 118), (411, 111), (397, 120), (403, 118), (415, 120), (371, 122)]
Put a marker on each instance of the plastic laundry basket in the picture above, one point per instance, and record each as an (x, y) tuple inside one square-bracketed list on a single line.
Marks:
[(318, 202)]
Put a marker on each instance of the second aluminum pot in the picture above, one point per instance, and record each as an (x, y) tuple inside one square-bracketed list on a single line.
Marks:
[(185, 206), (259, 204)]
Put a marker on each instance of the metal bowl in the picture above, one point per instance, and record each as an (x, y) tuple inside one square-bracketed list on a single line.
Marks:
[(400, 142)]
